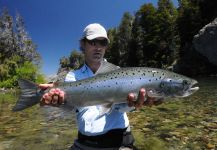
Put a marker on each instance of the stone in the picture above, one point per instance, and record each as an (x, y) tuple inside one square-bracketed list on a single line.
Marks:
[(205, 42)]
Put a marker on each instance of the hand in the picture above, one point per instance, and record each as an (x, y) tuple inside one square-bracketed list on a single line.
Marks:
[(140, 101), (54, 97)]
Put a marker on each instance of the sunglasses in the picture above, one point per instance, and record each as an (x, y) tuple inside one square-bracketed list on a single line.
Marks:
[(94, 42)]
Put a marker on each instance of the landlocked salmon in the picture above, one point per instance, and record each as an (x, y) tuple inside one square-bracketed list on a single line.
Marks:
[(111, 85)]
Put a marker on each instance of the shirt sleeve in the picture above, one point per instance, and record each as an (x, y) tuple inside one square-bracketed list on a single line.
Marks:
[(70, 77), (123, 107)]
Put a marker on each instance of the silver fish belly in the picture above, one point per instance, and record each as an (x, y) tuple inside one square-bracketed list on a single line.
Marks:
[(112, 87)]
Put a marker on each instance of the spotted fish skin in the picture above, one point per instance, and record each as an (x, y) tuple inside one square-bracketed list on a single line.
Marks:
[(114, 86), (111, 85)]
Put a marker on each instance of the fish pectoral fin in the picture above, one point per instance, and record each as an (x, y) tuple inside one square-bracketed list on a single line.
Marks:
[(106, 109), (154, 93)]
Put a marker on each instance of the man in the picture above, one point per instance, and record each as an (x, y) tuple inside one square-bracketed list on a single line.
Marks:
[(109, 131)]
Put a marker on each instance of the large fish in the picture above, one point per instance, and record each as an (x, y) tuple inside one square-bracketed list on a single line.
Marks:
[(111, 85)]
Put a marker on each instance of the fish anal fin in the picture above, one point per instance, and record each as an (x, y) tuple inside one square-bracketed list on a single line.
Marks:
[(105, 109)]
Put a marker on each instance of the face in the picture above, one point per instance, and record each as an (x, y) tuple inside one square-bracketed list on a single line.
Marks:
[(94, 50)]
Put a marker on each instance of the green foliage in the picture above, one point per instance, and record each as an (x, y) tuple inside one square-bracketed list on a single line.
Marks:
[(167, 48), (74, 61), (161, 37), (124, 36), (112, 53), (9, 83), (147, 21), (188, 22), (148, 39), (26, 71), (18, 55), (120, 39)]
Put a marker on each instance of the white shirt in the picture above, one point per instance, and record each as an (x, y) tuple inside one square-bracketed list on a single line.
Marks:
[(89, 120)]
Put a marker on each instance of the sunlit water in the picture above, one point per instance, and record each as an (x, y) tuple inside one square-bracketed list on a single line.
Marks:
[(187, 123)]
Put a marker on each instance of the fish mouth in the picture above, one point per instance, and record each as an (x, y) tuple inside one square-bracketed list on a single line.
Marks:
[(192, 89), (194, 86)]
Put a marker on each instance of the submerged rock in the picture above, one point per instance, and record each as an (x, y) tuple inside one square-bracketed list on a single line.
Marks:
[(205, 42)]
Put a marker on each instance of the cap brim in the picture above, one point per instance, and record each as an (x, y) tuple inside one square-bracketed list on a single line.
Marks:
[(91, 37)]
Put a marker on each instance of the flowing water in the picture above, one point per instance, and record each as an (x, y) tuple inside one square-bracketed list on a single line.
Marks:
[(177, 124)]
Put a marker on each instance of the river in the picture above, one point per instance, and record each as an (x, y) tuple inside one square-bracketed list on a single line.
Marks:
[(177, 124)]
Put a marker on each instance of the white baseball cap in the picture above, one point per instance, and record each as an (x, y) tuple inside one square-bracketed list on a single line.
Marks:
[(93, 31)]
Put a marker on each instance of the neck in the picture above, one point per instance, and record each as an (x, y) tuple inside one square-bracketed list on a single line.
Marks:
[(94, 66)]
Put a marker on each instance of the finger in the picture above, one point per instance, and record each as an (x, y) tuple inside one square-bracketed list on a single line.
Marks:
[(55, 100), (141, 98), (57, 91), (61, 97), (52, 90), (131, 99), (47, 99)]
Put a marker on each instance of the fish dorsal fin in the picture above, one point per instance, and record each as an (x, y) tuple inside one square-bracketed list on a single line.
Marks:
[(106, 67)]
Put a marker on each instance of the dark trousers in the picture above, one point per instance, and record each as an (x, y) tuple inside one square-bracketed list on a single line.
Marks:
[(112, 139)]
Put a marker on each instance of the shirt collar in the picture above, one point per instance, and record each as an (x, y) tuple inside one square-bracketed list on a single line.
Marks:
[(84, 68)]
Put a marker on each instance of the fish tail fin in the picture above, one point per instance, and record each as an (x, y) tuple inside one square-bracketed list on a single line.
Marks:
[(30, 95)]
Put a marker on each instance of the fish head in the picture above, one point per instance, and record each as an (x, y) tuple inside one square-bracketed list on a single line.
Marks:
[(181, 87), (175, 87)]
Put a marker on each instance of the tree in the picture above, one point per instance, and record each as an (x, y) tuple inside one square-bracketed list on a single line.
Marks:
[(147, 29), (17, 52), (120, 38), (25, 47), (168, 35), (7, 43), (124, 38), (136, 45), (112, 53), (74, 61), (188, 23)]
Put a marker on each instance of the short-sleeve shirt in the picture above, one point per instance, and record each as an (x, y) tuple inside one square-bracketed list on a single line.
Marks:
[(90, 121)]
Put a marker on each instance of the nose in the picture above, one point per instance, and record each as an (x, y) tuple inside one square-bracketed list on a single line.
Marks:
[(98, 46)]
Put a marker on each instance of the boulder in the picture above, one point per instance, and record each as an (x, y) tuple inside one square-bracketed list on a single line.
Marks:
[(205, 42)]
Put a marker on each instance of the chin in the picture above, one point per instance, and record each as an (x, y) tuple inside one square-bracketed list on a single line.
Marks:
[(97, 59)]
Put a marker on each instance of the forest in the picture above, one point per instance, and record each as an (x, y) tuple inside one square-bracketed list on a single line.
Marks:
[(18, 54), (159, 36), (154, 36)]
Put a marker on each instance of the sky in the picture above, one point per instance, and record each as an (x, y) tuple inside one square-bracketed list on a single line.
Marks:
[(56, 26)]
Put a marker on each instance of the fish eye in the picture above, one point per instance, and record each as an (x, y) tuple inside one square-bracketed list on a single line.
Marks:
[(185, 82)]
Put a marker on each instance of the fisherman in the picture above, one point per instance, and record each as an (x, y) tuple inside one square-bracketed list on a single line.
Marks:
[(110, 131)]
